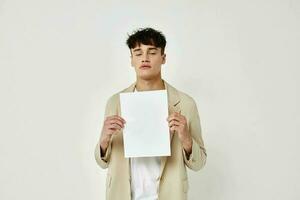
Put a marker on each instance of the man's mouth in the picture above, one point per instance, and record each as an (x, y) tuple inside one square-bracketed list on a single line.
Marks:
[(145, 67)]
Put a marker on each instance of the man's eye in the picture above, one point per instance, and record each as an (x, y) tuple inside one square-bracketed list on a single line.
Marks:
[(138, 54), (153, 53)]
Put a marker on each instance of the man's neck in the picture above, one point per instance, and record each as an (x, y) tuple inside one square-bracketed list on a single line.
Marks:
[(146, 85)]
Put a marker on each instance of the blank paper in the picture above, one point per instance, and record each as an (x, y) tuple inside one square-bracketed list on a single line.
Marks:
[(146, 131)]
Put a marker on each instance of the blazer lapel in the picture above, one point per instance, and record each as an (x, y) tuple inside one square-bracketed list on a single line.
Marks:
[(174, 106)]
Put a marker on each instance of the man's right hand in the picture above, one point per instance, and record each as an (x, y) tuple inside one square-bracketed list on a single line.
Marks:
[(112, 125)]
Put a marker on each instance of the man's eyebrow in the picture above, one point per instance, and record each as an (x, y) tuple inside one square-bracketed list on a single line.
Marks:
[(153, 48), (136, 50), (139, 49)]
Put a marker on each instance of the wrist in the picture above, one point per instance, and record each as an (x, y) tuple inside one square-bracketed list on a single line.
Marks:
[(187, 144), (188, 140), (104, 141)]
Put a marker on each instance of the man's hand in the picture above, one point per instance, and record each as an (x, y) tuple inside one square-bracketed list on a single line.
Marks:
[(112, 125), (178, 123)]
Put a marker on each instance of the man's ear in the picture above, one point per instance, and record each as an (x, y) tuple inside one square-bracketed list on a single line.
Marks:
[(164, 58)]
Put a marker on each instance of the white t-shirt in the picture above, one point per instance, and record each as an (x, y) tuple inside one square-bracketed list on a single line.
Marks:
[(144, 177)]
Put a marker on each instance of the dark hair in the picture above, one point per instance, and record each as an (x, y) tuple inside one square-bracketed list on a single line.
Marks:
[(146, 36)]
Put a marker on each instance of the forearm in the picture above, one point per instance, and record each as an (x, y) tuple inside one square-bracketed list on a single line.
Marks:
[(197, 159), (102, 151), (187, 146), (104, 142)]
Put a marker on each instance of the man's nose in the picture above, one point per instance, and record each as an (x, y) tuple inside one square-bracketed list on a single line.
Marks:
[(145, 57)]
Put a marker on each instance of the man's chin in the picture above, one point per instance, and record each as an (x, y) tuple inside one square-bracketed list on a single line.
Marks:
[(147, 77)]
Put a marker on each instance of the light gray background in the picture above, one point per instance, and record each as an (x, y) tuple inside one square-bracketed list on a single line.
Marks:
[(61, 60)]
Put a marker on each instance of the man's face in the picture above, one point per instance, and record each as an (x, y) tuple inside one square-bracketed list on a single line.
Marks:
[(147, 61)]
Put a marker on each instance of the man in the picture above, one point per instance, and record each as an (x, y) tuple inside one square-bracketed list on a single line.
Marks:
[(150, 178)]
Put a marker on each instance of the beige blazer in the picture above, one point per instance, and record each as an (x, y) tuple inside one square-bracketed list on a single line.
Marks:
[(173, 180)]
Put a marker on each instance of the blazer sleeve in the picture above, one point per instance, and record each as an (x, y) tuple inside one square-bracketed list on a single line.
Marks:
[(103, 160), (197, 158)]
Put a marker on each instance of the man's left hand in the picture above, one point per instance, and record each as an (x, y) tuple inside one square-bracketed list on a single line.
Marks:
[(178, 124)]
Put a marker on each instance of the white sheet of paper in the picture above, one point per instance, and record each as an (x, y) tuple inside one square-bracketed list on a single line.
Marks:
[(146, 131)]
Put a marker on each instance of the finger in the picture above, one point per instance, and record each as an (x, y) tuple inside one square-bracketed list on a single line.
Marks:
[(121, 118), (174, 123), (116, 117), (180, 118), (114, 126), (113, 130), (173, 118), (173, 129), (115, 121)]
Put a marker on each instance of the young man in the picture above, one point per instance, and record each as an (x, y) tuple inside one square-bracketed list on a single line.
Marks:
[(151, 178)]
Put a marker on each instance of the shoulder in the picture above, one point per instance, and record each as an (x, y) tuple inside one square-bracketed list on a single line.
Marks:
[(115, 98), (186, 100)]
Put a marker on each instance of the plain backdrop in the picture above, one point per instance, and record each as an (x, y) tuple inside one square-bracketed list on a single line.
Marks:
[(62, 59)]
